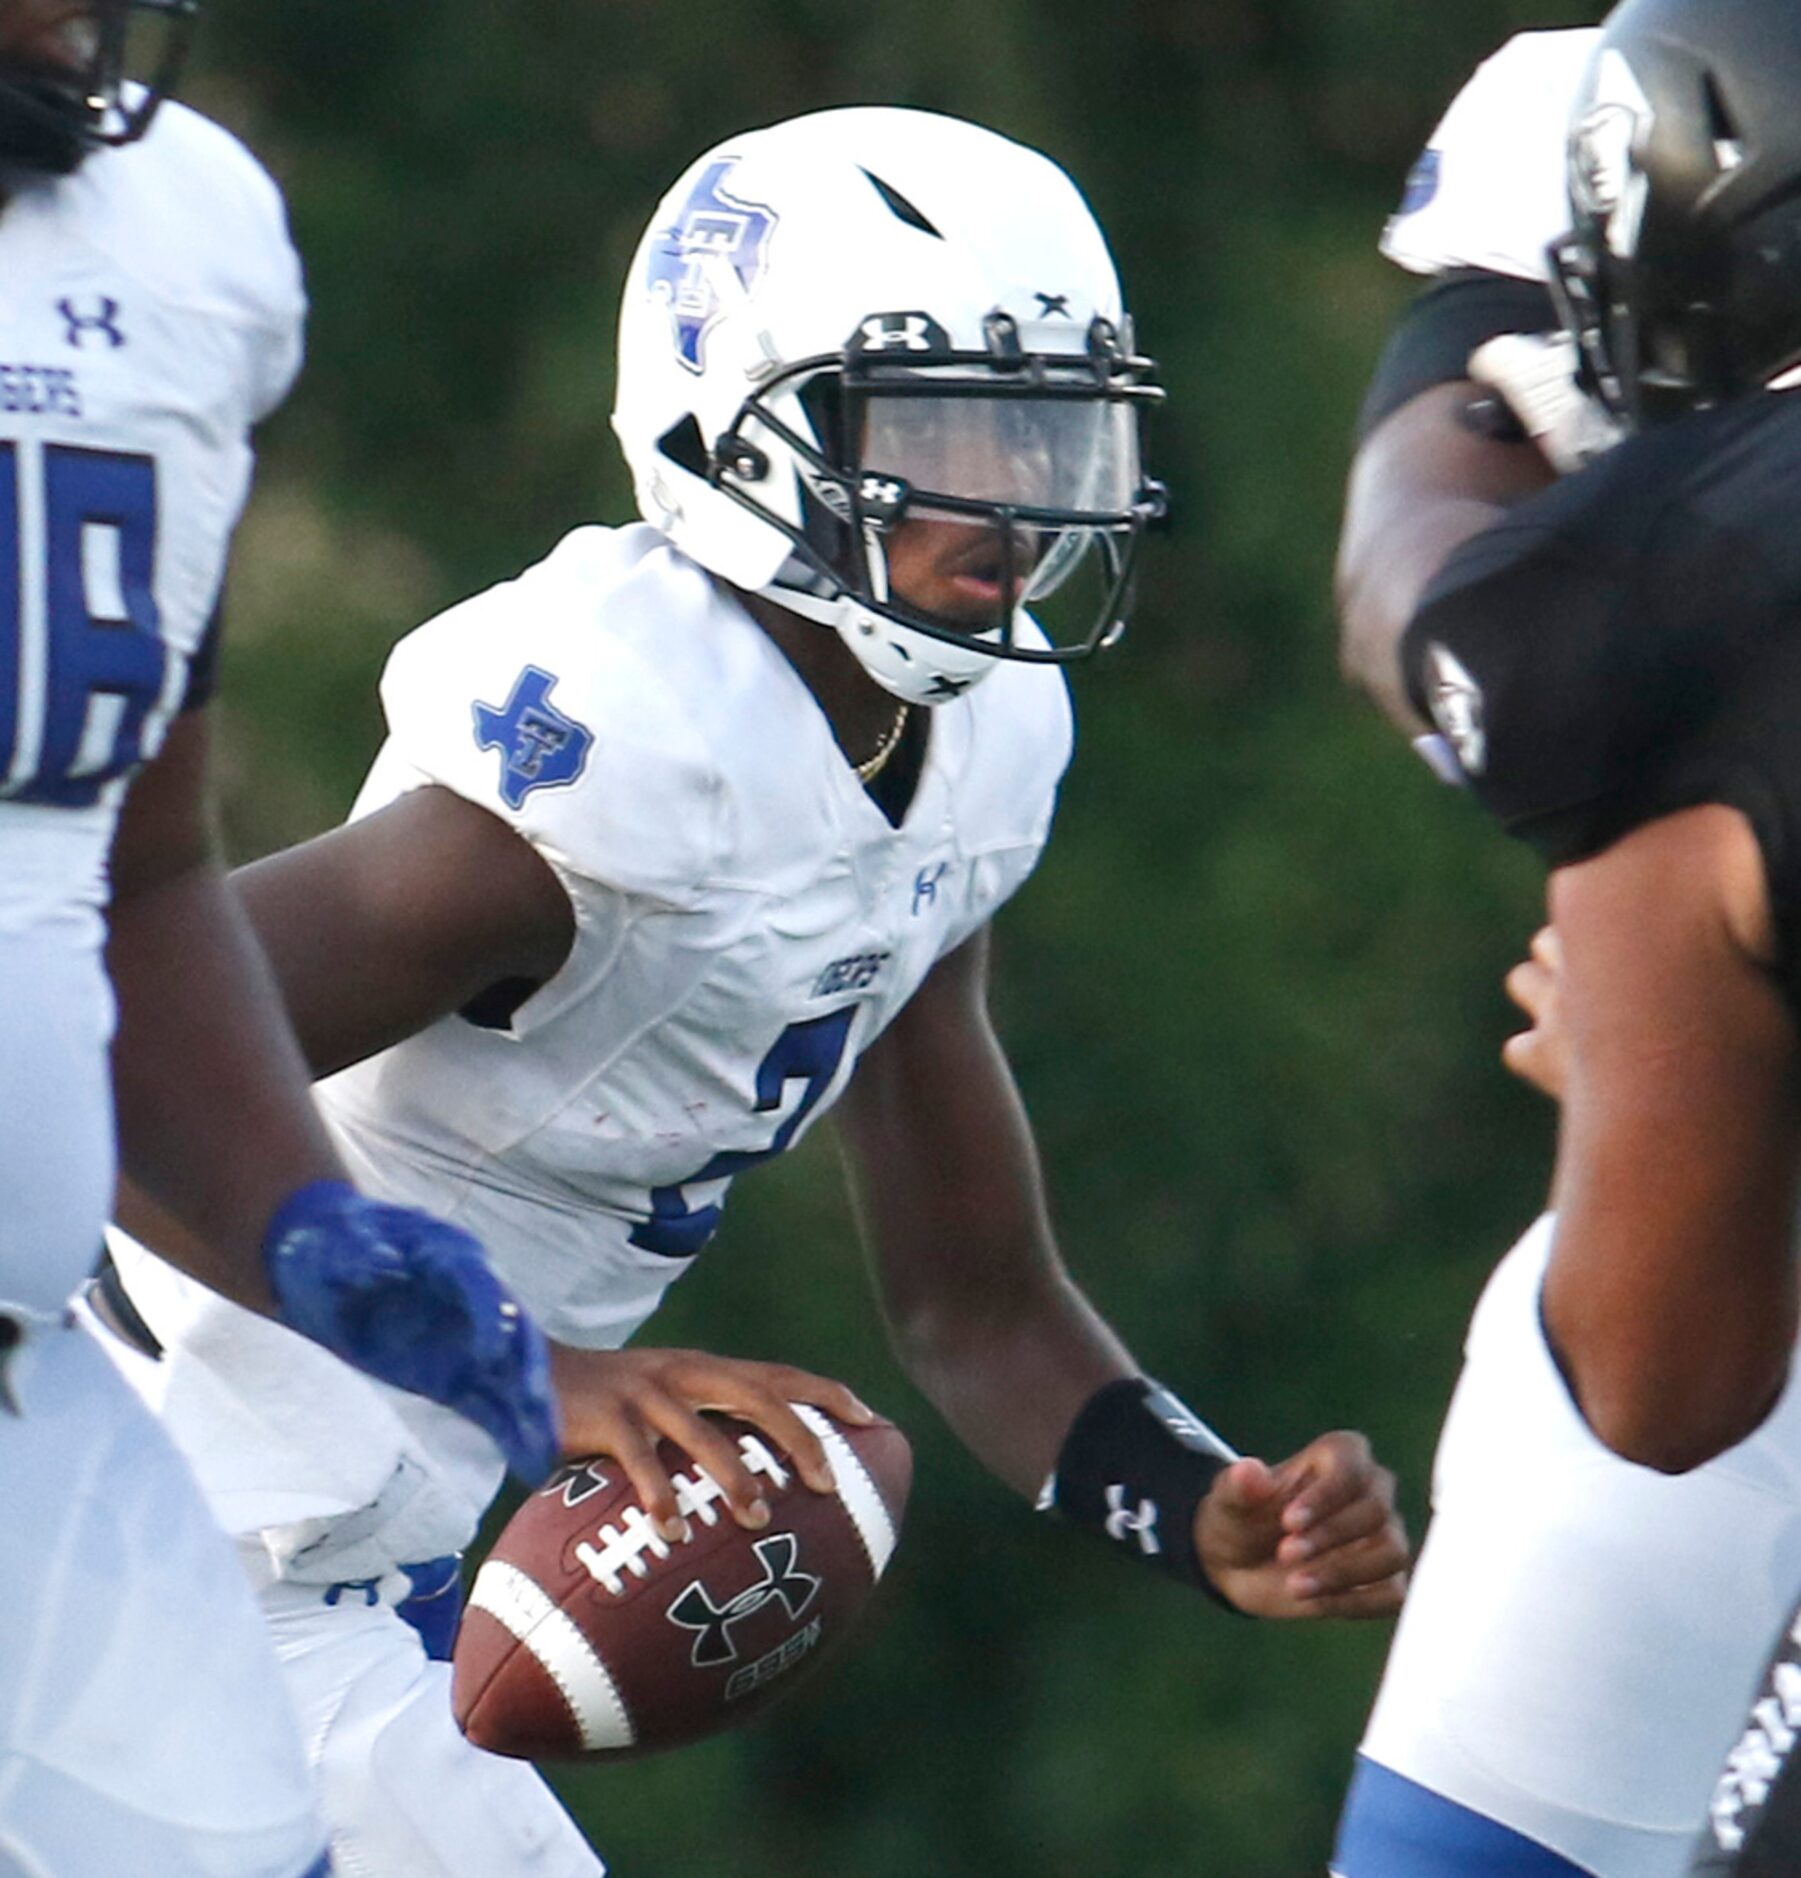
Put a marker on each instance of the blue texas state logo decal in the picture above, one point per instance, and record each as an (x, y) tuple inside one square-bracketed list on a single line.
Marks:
[(714, 231), (540, 748)]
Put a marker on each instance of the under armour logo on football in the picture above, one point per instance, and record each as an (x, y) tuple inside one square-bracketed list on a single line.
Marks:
[(695, 1609), (576, 1484), (99, 322), (1126, 1523), (541, 748)]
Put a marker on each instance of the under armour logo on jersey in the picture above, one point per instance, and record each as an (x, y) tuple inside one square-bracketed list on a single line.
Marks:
[(1049, 303), (1456, 703), (97, 320), (925, 885), (540, 747), (691, 264), (1126, 1523), (695, 1609)]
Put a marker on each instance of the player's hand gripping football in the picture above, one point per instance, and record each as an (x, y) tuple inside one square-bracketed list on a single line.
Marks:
[(1539, 1055), (623, 1402), (1317, 1536)]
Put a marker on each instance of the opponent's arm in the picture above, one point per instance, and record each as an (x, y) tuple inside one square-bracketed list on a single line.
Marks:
[(1426, 480), (992, 1328), (1670, 1299)]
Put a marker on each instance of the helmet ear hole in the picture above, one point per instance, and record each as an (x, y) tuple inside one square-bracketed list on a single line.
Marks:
[(684, 446)]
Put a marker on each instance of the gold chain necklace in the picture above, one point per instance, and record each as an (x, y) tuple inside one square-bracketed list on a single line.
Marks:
[(873, 765)]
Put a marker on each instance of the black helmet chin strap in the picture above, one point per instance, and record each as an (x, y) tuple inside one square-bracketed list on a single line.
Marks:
[(51, 118), (43, 127)]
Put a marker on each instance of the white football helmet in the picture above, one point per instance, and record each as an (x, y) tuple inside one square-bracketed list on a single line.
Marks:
[(867, 318)]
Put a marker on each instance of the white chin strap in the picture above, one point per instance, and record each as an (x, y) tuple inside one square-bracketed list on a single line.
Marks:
[(911, 665)]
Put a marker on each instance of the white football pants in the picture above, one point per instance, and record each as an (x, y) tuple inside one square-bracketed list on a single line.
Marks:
[(1582, 1635), (144, 1729), (143, 1726), (405, 1796)]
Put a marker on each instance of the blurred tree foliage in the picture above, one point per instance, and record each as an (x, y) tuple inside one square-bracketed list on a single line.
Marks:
[(1252, 996)]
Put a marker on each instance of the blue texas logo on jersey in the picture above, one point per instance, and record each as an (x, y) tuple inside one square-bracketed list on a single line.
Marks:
[(540, 748), (714, 230)]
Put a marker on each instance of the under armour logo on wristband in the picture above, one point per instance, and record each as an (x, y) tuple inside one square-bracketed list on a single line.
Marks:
[(1124, 1524)]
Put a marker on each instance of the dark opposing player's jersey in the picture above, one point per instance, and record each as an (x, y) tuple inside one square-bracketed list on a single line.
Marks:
[(1629, 643)]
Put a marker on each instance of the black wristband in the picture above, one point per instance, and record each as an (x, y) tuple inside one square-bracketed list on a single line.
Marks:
[(1134, 1467)]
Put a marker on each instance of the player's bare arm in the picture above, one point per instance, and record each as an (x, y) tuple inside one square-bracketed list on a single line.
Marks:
[(1427, 479), (992, 1328), (1677, 1162), (214, 1119), (379, 928), (437, 901)]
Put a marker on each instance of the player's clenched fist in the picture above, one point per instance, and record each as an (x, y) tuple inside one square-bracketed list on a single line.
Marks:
[(1317, 1536), (623, 1402)]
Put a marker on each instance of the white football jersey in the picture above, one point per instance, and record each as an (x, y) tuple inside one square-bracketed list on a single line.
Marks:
[(747, 922), (150, 312), (1490, 189)]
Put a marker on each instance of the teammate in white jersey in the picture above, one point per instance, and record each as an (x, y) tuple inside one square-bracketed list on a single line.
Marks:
[(687, 834), (150, 313), (1581, 1633)]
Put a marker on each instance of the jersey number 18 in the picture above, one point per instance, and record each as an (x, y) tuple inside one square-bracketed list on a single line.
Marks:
[(83, 666)]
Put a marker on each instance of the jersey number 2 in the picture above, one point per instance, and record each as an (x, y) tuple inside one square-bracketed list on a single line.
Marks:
[(808, 1052), (82, 661)]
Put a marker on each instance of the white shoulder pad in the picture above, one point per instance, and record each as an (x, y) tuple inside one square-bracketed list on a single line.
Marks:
[(199, 220), (536, 701), (1489, 191)]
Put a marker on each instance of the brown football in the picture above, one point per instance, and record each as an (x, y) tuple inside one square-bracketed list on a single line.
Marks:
[(587, 1634)]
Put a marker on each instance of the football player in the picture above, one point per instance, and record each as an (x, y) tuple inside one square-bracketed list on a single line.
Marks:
[(689, 834), (150, 312), (1617, 1523)]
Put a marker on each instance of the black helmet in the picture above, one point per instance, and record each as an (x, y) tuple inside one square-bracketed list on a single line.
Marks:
[(52, 116), (1682, 274)]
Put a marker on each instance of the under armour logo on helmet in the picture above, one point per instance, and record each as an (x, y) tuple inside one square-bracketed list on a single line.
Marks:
[(695, 1609), (900, 332), (102, 323)]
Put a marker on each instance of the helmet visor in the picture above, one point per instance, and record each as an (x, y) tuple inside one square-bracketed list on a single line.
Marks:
[(1064, 456)]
